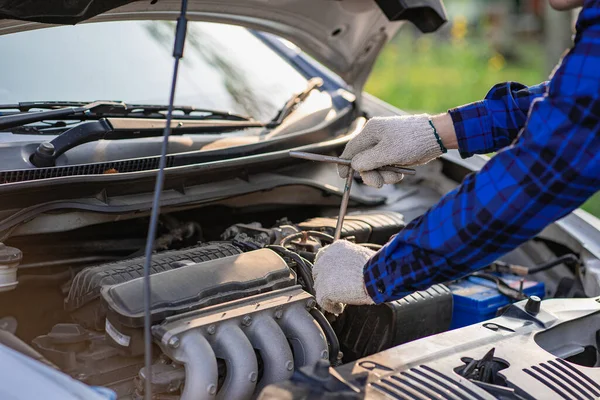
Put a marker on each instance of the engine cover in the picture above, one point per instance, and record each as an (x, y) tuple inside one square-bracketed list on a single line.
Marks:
[(188, 288), (83, 301)]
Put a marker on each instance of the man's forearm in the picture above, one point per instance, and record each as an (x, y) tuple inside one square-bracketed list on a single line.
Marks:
[(445, 129)]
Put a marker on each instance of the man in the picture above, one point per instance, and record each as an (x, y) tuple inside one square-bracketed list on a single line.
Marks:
[(548, 163)]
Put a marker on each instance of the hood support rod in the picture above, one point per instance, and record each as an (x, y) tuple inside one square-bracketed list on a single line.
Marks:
[(160, 177)]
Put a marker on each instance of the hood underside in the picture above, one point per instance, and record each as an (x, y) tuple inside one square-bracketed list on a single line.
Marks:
[(345, 35)]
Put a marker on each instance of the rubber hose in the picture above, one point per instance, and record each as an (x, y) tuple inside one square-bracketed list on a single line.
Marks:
[(304, 269), (332, 338), (567, 259)]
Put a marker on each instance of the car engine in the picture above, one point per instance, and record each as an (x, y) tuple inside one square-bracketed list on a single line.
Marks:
[(230, 315)]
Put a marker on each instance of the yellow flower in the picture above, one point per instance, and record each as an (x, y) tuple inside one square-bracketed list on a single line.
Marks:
[(459, 28), (496, 62)]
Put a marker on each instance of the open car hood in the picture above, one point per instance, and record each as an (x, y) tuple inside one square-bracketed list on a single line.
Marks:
[(344, 35)]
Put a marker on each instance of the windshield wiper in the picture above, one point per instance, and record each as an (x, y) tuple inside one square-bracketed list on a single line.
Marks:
[(101, 109), (121, 126), (85, 111), (23, 118), (294, 102)]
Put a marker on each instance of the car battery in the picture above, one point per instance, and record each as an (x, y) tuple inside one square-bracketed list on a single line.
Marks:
[(477, 299)]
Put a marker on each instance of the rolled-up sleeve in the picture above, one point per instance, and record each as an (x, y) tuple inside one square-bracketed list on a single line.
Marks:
[(493, 123)]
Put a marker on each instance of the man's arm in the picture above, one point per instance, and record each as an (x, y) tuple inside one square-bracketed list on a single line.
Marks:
[(417, 139), (550, 170), (490, 124)]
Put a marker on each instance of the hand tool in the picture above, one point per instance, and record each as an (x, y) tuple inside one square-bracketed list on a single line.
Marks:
[(342, 161), (349, 179)]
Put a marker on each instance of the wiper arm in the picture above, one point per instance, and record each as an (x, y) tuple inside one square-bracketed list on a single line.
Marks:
[(294, 102), (12, 121), (148, 110), (25, 106), (101, 109)]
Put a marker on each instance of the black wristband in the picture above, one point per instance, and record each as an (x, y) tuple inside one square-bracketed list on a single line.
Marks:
[(437, 137)]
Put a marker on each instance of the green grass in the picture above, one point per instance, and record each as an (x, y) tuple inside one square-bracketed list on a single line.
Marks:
[(593, 205), (431, 75)]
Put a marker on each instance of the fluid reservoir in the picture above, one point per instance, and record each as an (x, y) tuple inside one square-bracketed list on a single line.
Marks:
[(10, 258)]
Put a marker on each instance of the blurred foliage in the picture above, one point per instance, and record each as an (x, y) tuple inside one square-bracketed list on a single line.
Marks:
[(433, 74), (593, 205), (420, 73)]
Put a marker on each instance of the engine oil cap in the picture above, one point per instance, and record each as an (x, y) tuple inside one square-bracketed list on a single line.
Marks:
[(9, 255), (533, 305)]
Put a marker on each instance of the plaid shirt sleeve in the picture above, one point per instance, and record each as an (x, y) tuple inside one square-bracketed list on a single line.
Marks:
[(550, 169), (493, 123)]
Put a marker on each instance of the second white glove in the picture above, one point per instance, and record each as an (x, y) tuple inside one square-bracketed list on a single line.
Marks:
[(338, 274), (405, 140)]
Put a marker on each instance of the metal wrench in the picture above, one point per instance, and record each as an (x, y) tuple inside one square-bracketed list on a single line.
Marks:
[(349, 179)]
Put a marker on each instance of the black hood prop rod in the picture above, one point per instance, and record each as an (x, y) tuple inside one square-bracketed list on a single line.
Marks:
[(178, 46)]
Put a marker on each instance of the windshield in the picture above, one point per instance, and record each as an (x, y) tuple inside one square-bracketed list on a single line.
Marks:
[(224, 67)]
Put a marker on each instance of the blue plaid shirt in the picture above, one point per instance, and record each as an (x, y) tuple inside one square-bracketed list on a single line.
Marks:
[(548, 163)]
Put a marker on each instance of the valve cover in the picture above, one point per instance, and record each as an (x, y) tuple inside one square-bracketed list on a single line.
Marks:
[(192, 287)]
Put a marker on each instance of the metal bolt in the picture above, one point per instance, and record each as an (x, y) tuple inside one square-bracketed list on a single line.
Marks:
[(311, 303), (46, 148), (252, 376), (247, 320), (325, 354), (211, 389), (278, 314), (211, 329), (174, 342), (289, 365), (521, 283)]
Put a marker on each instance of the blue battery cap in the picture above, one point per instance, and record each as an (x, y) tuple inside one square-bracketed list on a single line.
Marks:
[(477, 300)]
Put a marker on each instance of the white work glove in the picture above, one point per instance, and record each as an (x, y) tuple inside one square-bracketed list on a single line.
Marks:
[(338, 275), (406, 141)]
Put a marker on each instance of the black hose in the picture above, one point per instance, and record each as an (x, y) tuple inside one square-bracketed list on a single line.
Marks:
[(569, 260), (70, 261), (50, 279), (315, 234), (334, 344), (304, 267)]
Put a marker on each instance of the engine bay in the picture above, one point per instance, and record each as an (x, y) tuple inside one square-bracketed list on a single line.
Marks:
[(232, 301)]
